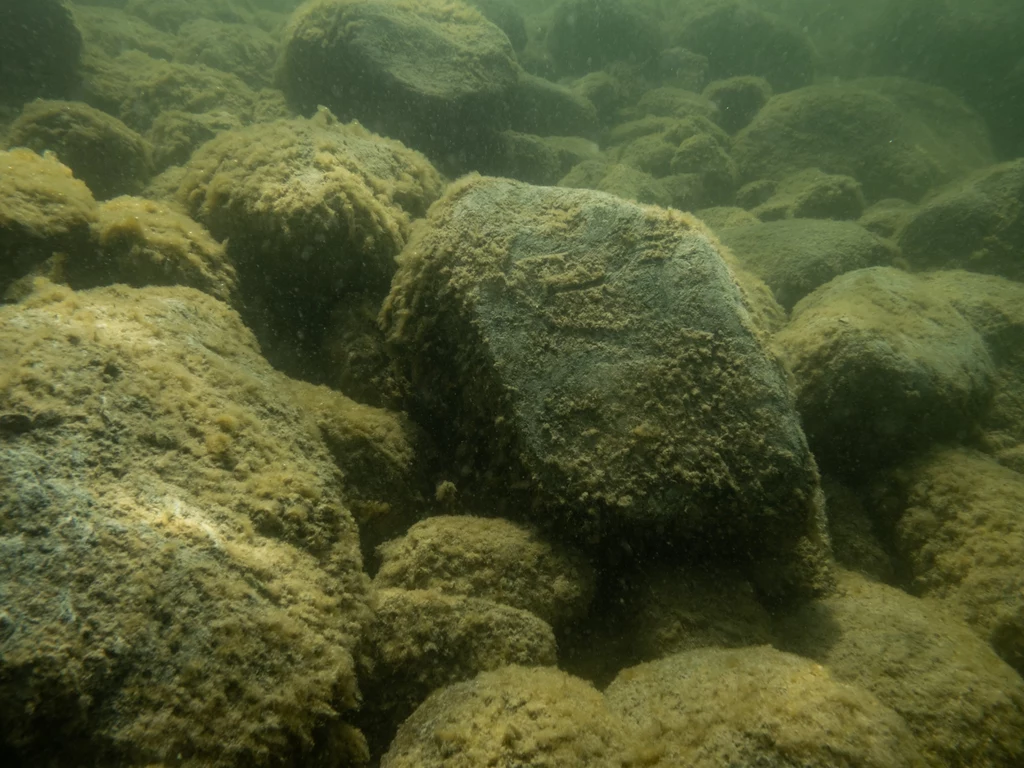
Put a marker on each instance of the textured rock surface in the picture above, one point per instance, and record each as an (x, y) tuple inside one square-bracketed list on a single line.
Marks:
[(108, 156), (44, 211), (757, 706), (180, 582), (796, 256), (40, 48), (514, 716), (896, 137), (882, 367), (958, 523), (975, 224), (602, 350), (492, 559), (433, 74), (964, 704)]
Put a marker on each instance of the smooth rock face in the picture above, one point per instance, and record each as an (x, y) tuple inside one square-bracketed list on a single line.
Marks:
[(430, 73), (603, 349)]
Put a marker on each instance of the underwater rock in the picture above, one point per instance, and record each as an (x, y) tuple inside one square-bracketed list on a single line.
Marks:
[(853, 531), (994, 306), (738, 99), (506, 16), (240, 49), (672, 608), (44, 211), (420, 640), (432, 73), (601, 354), (587, 35), (547, 109), (40, 48), (102, 151), (796, 256), (712, 707), (536, 716), (617, 179), (383, 455), (882, 366), (493, 559), (669, 102), (887, 217), (811, 194), (175, 134), (896, 137), (181, 581), (964, 703), (975, 224), (112, 31), (739, 39), (957, 516), (704, 156), (537, 159), (143, 242), (312, 210), (137, 89), (171, 15)]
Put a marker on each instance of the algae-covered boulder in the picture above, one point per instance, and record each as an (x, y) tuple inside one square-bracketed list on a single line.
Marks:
[(975, 224), (896, 137), (44, 211), (312, 210), (603, 351), (958, 523), (587, 35), (882, 367), (796, 256), (144, 242), (420, 640), (618, 179), (241, 49), (809, 194), (713, 707), (738, 99), (181, 582), (739, 39), (962, 702), (515, 716), (431, 73), (40, 48), (493, 559), (382, 454), (102, 151)]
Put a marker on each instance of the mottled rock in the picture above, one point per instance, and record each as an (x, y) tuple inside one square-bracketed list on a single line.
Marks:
[(882, 367), (975, 224), (896, 137), (602, 351), (962, 702), (44, 211), (796, 256), (434, 74), (102, 151), (181, 581), (514, 716)]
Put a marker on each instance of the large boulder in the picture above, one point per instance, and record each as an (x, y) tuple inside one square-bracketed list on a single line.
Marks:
[(975, 224), (962, 702), (431, 73), (587, 35), (44, 211), (713, 707), (312, 210), (883, 366), (896, 137), (180, 580), (102, 151), (796, 256), (602, 352), (957, 519), (739, 39), (40, 47)]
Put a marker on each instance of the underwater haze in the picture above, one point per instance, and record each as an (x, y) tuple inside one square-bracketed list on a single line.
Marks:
[(511, 383)]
